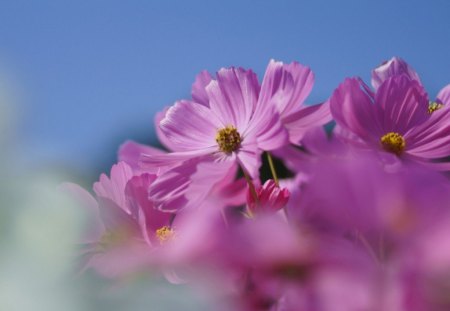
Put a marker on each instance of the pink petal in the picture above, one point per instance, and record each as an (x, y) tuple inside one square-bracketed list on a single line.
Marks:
[(286, 86), (162, 162), (233, 96), (130, 153), (352, 107), (395, 66), (161, 136), (402, 103), (306, 118), (190, 126), (444, 95), (249, 158), (114, 188), (143, 208), (199, 94)]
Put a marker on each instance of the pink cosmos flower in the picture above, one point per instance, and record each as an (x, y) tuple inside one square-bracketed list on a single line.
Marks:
[(233, 129), (123, 225), (396, 119)]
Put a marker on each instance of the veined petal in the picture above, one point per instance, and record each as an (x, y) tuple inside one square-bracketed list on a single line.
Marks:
[(161, 136), (352, 107), (444, 95), (305, 119), (233, 96), (113, 188), (286, 86), (249, 158), (190, 126), (130, 153), (393, 67), (402, 103), (162, 162), (198, 88), (189, 183)]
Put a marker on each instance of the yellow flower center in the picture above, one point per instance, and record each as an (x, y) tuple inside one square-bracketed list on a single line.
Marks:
[(228, 139), (433, 106), (164, 234), (393, 142)]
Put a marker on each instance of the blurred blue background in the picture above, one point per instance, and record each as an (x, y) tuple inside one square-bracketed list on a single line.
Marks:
[(84, 76)]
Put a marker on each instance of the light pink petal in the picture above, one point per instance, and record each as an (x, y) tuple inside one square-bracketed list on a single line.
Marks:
[(116, 219), (286, 86), (394, 66), (113, 188), (233, 96), (94, 227), (352, 107), (165, 161), (249, 158), (190, 126), (266, 129), (402, 103), (161, 136), (298, 123), (130, 153), (444, 95), (198, 88)]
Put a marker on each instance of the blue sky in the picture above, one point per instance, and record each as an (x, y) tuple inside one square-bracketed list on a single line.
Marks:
[(90, 74)]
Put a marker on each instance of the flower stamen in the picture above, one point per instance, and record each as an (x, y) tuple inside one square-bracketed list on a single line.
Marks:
[(433, 106), (165, 234), (393, 142), (228, 139)]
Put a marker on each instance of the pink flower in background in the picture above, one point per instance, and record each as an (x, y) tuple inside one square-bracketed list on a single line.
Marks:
[(123, 224), (396, 119)]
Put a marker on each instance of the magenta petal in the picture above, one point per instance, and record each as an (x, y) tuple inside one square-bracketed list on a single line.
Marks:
[(306, 118), (402, 103), (113, 188), (352, 107), (233, 96), (394, 67), (190, 126), (444, 95), (143, 208), (198, 88), (286, 86)]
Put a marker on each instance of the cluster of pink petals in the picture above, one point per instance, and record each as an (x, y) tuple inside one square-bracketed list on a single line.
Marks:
[(361, 222)]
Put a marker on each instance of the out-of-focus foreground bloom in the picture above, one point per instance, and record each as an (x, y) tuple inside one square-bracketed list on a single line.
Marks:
[(359, 223)]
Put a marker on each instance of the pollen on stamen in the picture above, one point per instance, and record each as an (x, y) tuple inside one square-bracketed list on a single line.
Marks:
[(433, 106), (393, 142), (228, 139), (165, 234)]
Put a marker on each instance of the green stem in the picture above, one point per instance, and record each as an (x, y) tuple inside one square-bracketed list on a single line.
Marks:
[(272, 168)]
